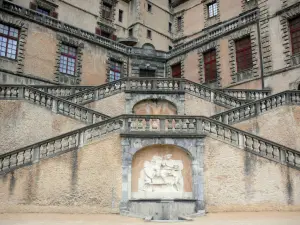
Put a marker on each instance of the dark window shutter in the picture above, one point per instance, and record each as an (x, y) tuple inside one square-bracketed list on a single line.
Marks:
[(114, 37), (54, 14), (32, 6), (98, 31)]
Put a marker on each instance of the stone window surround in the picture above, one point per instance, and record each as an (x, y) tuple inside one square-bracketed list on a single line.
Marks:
[(194, 147), (65, 78), (178, 100), (143, 64), (250, 73), (212, 20), (289, 58), (23, 33), (205, 48), (51, 6), (179, 59), (115, 57), (113, 3), (177, 34), (248, 5)]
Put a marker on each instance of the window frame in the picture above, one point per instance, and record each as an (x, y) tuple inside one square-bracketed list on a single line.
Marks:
[(113, 69), (294, 31), (69, 56), (104, 12), (214, 9), (121, 16), (149, 8), (179, 23), (149, 34), (210, 77), (243, 52), (177, 73), (11, 38)]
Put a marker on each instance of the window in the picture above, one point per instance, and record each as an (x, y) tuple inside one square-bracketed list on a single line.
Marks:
[(106, 11), (212, 9), (170, 27), (115, 71), (130, 32), (295, 35), (121, 16), (170, 48), (179, 22), (243, 54), (43, 10), (149, 34), (149, 8), (68, 57), (210, 67), (147, 73), (176, 70), (9, 37)]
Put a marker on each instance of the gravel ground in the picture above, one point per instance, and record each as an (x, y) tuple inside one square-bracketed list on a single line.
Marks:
[(265, 218)]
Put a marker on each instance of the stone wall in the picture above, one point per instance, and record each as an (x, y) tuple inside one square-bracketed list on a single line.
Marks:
[(195, 106), (23, 123), (282, 125), (85, 181), (111, 106), (236, 180)]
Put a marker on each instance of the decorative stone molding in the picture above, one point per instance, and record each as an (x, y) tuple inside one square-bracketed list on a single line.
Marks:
[(213, 20), (265, 36), (253, 72), (213, 45), (23, 29), (179, 59), (248, 5), (137, 64), (194, 147), (65, 78), (111, 57), (284, 3), (177, 34), (289, 59), (50, 5), (133, 98)]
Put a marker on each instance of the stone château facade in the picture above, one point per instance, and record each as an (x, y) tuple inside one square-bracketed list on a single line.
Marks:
[(149, 108)]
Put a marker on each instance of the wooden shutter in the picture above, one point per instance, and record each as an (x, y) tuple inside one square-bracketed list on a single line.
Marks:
[(98, 31), (176, 70), (54, 14), (32, 6)]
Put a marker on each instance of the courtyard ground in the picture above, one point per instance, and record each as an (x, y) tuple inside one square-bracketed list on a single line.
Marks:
[(266, 218)]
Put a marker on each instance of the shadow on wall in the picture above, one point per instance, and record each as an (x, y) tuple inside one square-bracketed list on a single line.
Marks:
[(154, 107)]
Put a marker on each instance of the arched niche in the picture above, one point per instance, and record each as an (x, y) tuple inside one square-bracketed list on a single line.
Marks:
[(154, 107), (148, 46), (161, 172)]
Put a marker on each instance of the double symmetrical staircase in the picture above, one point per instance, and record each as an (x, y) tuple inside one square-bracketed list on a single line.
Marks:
[(68, 101)]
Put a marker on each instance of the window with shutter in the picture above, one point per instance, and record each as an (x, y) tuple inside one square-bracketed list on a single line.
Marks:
[(176, 70), (295, 34), (243, 54), (210, 67)]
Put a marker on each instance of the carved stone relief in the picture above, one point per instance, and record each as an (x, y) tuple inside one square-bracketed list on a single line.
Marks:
[(161, 174)]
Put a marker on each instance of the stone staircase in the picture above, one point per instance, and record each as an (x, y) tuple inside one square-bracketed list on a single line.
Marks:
[(218, 126)]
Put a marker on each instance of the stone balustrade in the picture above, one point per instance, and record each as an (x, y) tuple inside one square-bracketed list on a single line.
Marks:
[(153, 85), (61, 90), (51, 102), (57, 145), (246, 94), (255, 108), (210, 34), (159, 125)]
